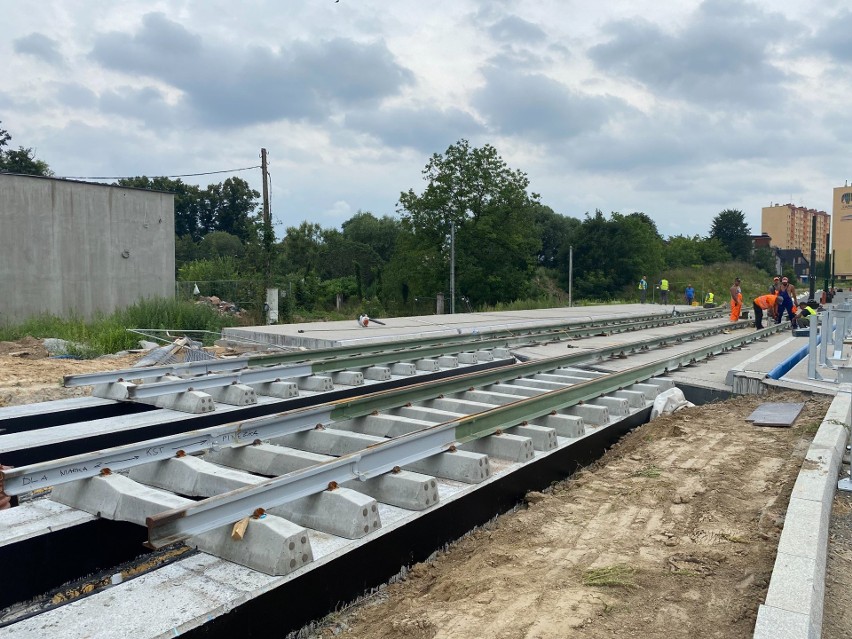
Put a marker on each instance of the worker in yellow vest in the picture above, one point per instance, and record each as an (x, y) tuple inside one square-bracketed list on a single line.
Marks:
[(709, 300), (803, 317), (664, 291), (643, 288)]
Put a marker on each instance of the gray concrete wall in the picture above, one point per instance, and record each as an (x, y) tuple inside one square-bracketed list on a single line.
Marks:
[(75, 248)]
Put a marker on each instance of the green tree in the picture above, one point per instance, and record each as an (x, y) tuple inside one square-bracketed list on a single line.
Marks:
[(220, 244), (474, 190), (730, 228), (683, 251), (713, 251), (555, 232), (229, 206), (612, 254), (21, 160), (764, 259), (300, 248), (379, 234)]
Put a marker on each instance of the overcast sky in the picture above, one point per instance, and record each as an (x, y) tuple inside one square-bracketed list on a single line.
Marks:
[(679, 109)]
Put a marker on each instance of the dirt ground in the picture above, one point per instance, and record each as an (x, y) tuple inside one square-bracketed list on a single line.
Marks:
[(28, 375), (672, 534)]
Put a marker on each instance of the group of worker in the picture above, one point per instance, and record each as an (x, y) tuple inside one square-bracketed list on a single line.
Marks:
[(780, 299), (663, 287)]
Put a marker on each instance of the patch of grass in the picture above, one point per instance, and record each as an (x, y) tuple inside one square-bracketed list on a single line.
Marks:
[(617, 576), (683, 572), (736, 539), (810, 429), (108, 333), (649, 471)]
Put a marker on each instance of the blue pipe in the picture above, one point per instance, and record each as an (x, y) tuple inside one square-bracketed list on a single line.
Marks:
[(784, 367)]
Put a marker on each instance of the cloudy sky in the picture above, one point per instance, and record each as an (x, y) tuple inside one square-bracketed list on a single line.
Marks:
[(679, 109)]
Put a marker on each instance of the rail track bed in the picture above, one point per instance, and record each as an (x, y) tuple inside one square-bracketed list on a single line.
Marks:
[(313, 505)]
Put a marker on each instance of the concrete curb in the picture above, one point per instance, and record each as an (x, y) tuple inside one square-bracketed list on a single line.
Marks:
[(794, 601)]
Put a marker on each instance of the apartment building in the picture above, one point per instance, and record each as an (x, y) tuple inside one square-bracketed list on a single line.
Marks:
[(789, 226)]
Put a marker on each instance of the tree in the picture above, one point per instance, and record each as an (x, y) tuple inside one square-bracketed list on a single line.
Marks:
[(474, 190), (21, 160), (229, 207), (555, 231), (379, 234), (730, 228)]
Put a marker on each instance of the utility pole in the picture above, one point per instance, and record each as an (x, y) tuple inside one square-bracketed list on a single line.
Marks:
[(570, 275), (452, 268), (271, 304), (812, 266), (267, 220)]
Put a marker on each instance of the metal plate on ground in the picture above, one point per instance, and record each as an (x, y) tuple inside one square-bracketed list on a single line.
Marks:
[(775, 414)]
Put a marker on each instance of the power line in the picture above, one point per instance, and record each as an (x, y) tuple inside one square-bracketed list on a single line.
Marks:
[(129, 177)]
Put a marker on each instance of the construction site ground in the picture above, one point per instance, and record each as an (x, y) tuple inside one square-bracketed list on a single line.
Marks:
[(673, 533)]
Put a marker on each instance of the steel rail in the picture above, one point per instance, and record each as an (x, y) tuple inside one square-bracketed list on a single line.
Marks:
[(26, 478), (329, 359), (181, 523), (249, 376)]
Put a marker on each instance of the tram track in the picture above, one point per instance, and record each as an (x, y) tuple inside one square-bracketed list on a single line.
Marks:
[(519, 400), (342, 365)]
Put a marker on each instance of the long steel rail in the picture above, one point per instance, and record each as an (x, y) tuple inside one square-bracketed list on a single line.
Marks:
[(26, 478), (365, 355), (179, 524)]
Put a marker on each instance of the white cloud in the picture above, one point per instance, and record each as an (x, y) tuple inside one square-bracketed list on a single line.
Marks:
[(678, 110)]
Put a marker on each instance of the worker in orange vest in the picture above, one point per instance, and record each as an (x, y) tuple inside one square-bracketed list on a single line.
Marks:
[(764, 303), (736, 300)]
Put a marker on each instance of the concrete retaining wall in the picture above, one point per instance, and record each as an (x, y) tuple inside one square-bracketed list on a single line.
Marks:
[(794, 601), (77, 248)]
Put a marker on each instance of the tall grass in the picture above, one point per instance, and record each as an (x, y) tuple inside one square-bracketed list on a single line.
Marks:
[(109, 334)]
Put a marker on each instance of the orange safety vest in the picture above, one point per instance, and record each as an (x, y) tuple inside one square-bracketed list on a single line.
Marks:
[(766, 301)]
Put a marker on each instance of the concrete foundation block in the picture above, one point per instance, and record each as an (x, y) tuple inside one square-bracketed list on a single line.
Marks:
[(650, 390), (501, 353), (266, 459), (377, 373), (382, 425), (456, 405), (564, 425), (328, 442), (448, 361), (578, 372), (113, 390), (233, 395), (484, 356), (635, 399), (434, 415), (468, 358), (319, 383), (271, 545), (543, 438), (348, 378), (282, 390), (457, 465), (194, 402), (617, 406), (405, 489), (342, 512), (404, 368), (116, 497), (486, 397), (663, 382), (542, 384), (504, 446), (428, 365), (591, 414), (514, 388), (192, 476)]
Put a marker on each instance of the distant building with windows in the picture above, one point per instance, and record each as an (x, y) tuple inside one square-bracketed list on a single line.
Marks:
[(789, 226), (841, 232)]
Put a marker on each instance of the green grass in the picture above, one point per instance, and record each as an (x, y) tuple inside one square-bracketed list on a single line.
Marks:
[(649, 471), (108, 333), (617, 576)]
